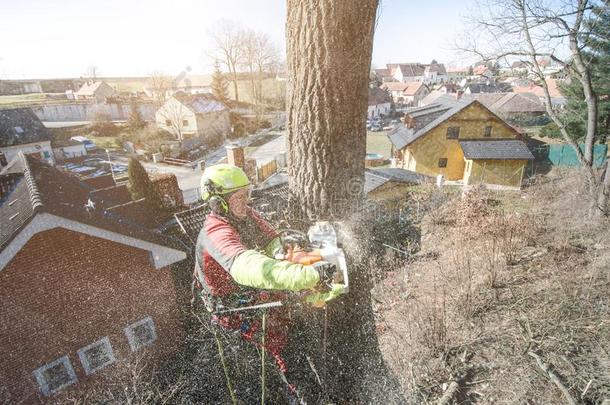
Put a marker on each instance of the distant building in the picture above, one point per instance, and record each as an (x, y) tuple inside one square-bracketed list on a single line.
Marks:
[(455, 75), (406, 93), (22, 131), (95, 90), (80, 289), (414, 72), (199, 116), (380, 102)]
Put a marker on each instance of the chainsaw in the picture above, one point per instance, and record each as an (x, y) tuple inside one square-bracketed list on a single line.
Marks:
[(319, 244)]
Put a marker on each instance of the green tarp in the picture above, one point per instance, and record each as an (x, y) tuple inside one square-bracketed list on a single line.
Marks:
[(564, 155)]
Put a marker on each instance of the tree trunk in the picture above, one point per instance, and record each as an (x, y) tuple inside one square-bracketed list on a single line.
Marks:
[(233, 71), (329, 45)]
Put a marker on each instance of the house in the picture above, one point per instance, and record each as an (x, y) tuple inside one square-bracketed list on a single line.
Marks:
[(380, 102), (431, 142), (80, 289), (22, 131), (406, 93), (456, 74), (95, 90), (417, 72), (68, 149), (510, 105), (189, 116)]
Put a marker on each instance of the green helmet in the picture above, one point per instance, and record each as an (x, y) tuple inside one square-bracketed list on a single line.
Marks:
[(222, 179)]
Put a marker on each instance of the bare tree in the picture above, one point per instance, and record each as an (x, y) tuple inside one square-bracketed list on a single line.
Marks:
[(159, 85), (259, 56), (249, 45), (530, 30), (228, 40), (92, 72), (174, 114)]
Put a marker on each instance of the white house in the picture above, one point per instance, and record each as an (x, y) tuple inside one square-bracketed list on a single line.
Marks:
[(21, 130), (189, 116), (406, 93), (417, 72)]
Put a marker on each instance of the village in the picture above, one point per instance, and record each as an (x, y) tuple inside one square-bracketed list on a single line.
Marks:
[(465, 170)]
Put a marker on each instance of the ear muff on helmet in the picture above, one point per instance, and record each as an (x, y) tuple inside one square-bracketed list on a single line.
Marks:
[(218, 205)]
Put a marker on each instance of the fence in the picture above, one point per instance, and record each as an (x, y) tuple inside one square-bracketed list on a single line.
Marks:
[(565, 155), (266, 170)]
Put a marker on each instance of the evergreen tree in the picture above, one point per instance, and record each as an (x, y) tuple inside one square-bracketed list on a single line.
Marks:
[(598, 52), (220, 87), (142, 187), (135, 120)]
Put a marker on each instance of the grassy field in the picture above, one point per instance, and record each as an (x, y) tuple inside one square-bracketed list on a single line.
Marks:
[(378, 142), (34, 98)]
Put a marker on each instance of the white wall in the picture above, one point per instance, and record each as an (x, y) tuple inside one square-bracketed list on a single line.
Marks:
[(67, 152), (43, 148)]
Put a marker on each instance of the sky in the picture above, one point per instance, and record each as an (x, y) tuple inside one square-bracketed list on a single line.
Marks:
[(56, 39)]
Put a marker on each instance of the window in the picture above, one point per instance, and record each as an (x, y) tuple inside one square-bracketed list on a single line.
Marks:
[(141, 333), (442, 162), (453, 132), (96, 356), (488, 131), (55, 376), (168, 123), (185, 123)]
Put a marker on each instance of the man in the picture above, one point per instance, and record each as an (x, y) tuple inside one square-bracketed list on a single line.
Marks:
[(235, 264)]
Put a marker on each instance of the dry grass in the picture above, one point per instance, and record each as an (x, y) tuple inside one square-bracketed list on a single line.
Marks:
[(509, 274)]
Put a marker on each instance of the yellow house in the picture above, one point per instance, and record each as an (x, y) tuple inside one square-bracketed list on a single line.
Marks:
[(464, 142)]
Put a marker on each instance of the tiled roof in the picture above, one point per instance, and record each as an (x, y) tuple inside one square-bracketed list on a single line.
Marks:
[(539, 91), (438, 97), (19, 126), (506, 103), (395, 86), (496, 149), (200, 103), (487, 88), (43, 188)]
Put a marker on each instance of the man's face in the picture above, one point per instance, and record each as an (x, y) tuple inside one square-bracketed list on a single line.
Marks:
[(238, 202)]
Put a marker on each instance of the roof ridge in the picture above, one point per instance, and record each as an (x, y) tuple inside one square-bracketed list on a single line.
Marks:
[(35, 195)]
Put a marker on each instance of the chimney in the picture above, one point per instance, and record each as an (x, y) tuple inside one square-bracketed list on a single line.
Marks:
[(235, 156)]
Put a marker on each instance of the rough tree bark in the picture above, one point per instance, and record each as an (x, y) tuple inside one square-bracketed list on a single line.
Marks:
[(329, 46)]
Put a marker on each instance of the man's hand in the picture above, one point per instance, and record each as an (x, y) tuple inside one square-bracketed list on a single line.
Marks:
[(327, 271)]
